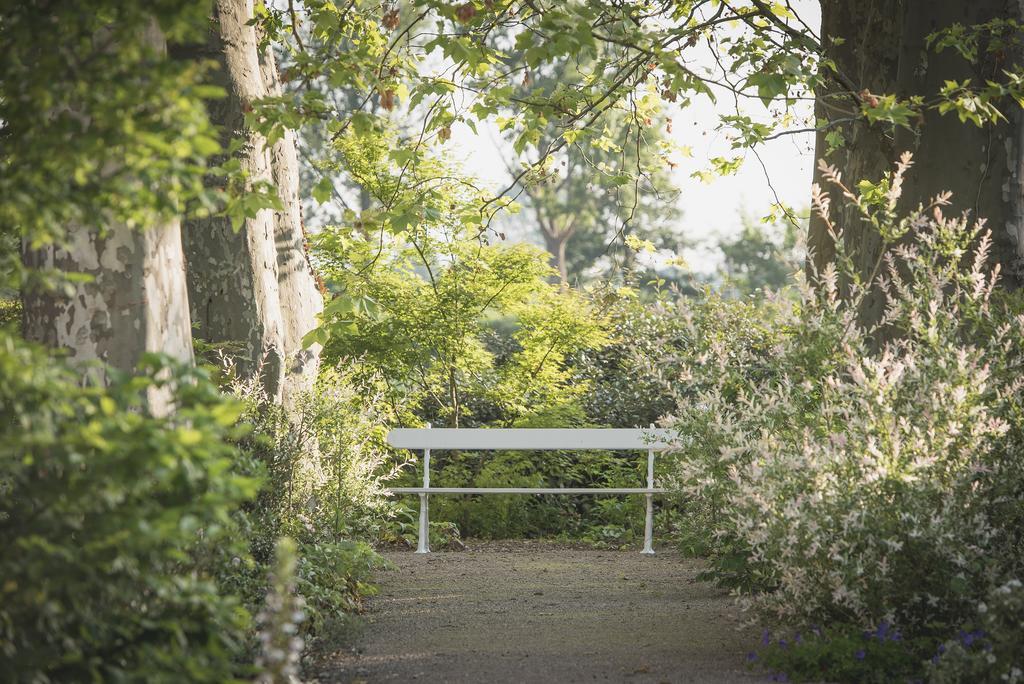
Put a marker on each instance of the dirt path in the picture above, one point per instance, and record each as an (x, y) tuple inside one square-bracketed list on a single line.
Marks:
[(534, 612)]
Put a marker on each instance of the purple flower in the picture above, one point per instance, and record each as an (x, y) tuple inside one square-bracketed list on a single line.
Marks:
[(883, 629), (942, 648), (859, 655), (783, 643), (766, 638), (751, 657)]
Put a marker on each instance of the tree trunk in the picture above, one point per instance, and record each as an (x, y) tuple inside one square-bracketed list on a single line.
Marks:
[(233, 275), (981, 166), (135, 302), (556, 243), (883, 51), (867, 57), (301, 299)]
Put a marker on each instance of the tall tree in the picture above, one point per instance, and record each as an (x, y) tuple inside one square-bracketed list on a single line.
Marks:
[(895, 75), (93, 183), (301, 297), (584, 206), (252, 284)]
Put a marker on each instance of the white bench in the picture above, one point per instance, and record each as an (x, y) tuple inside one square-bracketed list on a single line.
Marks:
[(529, 439)]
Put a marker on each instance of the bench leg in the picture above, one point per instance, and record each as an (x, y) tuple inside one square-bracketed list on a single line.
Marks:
[(423, 545), (649, 527)]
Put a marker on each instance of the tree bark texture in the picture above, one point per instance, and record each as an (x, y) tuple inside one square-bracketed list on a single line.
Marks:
[(134, 302), (883, 51), (254, 286), (867, 57), (301, 299)]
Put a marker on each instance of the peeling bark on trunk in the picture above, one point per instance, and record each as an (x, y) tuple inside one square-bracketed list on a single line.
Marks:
[(884, 52), (301, 299), (233, 276), (135, 302)]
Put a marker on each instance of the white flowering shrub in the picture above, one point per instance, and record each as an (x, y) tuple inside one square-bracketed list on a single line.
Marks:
[(326, 459), (325, 464), (862, 472), (279, 638)]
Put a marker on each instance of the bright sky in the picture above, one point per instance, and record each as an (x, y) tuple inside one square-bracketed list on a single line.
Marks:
[(710, 210)]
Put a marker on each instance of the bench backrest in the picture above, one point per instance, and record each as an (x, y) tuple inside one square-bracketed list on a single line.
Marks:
[(529, 439)]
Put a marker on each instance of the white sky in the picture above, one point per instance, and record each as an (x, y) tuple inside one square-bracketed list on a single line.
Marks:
[(708, 210)]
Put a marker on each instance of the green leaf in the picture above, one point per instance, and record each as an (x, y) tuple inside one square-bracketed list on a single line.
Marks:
[(323, 190), (769, 86)]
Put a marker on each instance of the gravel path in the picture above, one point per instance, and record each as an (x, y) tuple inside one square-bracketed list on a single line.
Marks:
[(537, 612)]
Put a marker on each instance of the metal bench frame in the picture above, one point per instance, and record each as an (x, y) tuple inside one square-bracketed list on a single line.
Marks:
[(529, 439)]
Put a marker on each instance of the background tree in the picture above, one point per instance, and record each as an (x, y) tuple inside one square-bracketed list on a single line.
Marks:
[(762, 256), (485, 63), (587, 198)]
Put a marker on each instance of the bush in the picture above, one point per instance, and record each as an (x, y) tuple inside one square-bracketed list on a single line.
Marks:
[(333, 579), (991, 651), (112, 522), (326, 463), (844, 653), (628, 384), (856, 474), (506, 516), (326, 460)]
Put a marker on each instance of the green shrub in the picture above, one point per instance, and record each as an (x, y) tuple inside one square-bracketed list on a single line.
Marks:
[(326, 464), (992, 651), (10, 311), (628, 382), (843, 653), (333, 578), (606, 521), (112, 523)]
